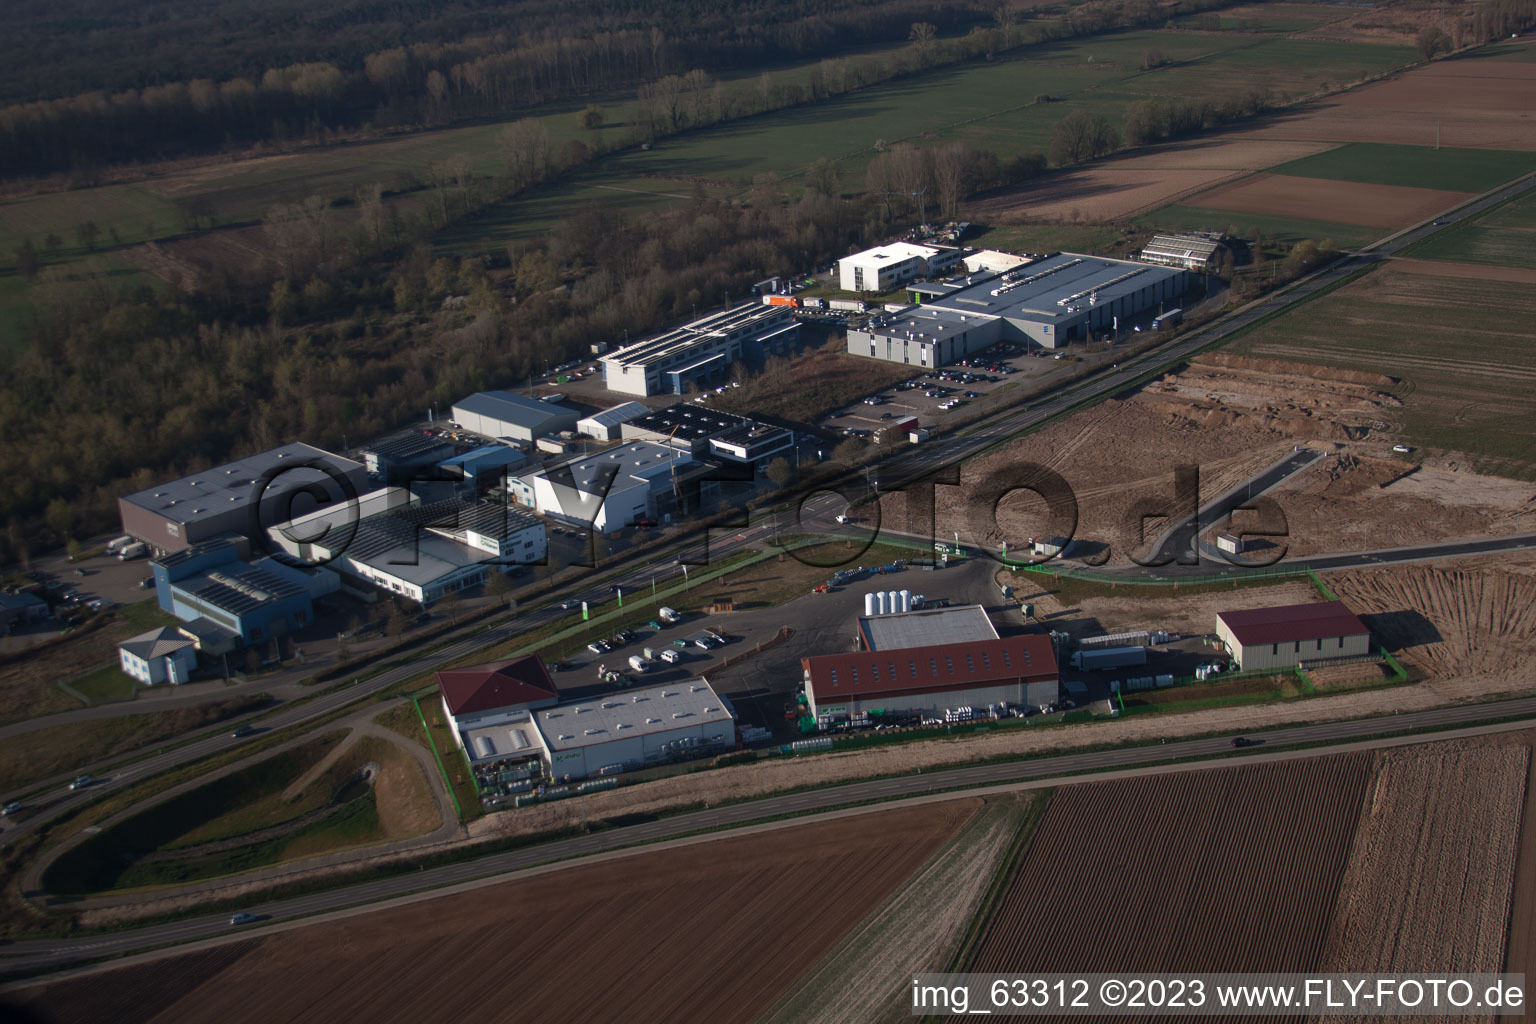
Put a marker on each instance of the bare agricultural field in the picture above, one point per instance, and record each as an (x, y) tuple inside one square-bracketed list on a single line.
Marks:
[(1480, 272), (1116, 189), (722, 925), (1347, 202), (1424, 891), (919, 929), (1476, 103), (1460, 347), (1231, 869)]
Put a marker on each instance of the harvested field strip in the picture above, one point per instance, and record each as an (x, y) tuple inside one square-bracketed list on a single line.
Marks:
[(1232, 869), (1430, 876), (1449, 622), (693, 933), (864, 978), (1520, 951), (1349, 202)]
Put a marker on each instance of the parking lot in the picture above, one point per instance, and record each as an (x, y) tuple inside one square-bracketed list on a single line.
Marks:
[(930, 395)]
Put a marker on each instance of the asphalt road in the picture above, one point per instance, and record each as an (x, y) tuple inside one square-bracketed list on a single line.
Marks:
[(35, 955), (1177, 545)]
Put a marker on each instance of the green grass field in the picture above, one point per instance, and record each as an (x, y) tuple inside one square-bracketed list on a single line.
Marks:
[(1454, 170), (1504, 236), (1460, 345), (1281, 229), (106, 684)]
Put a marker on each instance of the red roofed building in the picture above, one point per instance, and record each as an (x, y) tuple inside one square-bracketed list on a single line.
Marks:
[(496, 693), (1013, 670), (1284, 637)]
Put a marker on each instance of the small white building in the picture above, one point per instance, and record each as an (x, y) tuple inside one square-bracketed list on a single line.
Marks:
[(613, 488), (631, 729), (498, 693), (886, 267), (604, 426), (162, 655)]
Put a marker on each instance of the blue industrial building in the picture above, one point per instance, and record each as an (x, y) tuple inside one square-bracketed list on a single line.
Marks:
[(253, 601)]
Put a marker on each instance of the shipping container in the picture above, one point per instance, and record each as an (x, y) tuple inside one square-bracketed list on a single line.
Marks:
[(780, 300), (1109, 657)]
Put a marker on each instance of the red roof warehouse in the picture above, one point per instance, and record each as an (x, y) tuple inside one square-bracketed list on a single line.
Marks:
[(1283, 637), (1016, 670)]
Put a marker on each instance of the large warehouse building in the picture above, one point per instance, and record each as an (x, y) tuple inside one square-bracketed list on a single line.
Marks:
[(931, 679), (1049, 303), (702, 431), (503, 414), (700, 353), (1199, 252), (217, 502), (421, 550), (1284, 637), (490, 709), (634, 728)]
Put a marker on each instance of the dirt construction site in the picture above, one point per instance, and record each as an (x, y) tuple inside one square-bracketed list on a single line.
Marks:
[(1231, 417)]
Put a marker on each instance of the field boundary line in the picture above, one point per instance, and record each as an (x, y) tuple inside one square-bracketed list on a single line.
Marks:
[(447, 782)]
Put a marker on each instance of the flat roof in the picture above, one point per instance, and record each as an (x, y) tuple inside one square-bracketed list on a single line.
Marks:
[(625, 714), (688, 421), (961, 623), (406, 444), (509, 739), (641, 459), (1046, 290), (238, 588), (215, 491), (529, 413), (895, 252), (1292, 623), (705, 330), (935, 668)]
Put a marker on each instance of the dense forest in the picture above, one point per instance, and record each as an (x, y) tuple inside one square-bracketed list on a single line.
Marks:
[(319, 69)]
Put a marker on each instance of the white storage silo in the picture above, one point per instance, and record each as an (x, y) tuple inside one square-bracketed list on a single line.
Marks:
[(893, 601), (869, 605), (906, 600), (879, 602)]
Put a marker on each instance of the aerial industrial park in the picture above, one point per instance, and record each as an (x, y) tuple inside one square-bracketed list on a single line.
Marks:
[(730, 568)]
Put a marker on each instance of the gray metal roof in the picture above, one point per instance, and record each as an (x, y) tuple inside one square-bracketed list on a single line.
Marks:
[(926, 628), (743, 320), (687, 421), (157, 643), (215, 491), (1049, 289), (635, 458), (622, 715), (239, 589), (529, 413), (616, 415)]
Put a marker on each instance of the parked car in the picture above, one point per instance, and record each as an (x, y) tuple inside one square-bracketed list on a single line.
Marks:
[(146, 582), (80, 782), (598, 647)]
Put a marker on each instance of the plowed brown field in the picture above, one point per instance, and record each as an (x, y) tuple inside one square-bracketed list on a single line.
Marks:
[(1344, 202), (1428, 886), (1232, 869), (1479, 104), (697, 932)]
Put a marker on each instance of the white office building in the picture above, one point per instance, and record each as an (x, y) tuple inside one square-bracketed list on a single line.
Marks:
[(889, 266)]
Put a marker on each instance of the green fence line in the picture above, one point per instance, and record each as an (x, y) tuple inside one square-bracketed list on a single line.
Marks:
[(1399, 673), (1322, 588), (439, 757), (1112, 579)]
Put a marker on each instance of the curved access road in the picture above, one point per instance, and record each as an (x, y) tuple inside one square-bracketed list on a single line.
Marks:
[(41, 955)]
